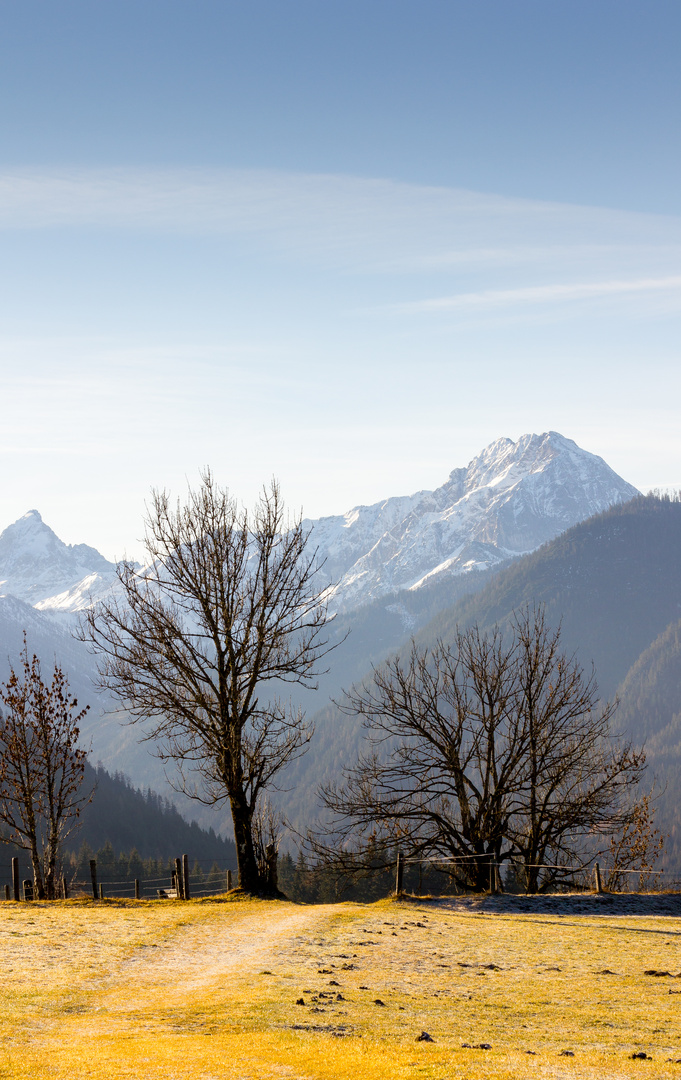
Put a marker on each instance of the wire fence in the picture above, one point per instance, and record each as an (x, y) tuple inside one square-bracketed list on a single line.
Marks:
[(509, 875), (176, 883), (210, 884), (475, 873)]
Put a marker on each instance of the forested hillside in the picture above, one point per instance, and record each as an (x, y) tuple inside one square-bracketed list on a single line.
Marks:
[(614, 585), (131, 820), (650, 705), (128, 818)]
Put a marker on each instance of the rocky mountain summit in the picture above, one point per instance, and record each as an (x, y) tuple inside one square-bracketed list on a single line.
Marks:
[(40, 569), (508, 501)]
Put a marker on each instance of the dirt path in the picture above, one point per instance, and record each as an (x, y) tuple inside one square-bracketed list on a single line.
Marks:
[(199, 954)]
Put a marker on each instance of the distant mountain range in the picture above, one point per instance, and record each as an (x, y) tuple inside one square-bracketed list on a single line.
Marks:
[(409, 565), (506, 502), (40, 569)]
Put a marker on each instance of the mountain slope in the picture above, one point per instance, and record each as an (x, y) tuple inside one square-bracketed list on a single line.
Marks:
[(650, 704), (508, 501), (651, 692), (613, 583)]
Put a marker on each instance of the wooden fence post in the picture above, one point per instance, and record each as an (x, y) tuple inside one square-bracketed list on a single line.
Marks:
[(101, 891), (229, 881), (93, 877), (64, 887), (599, 883), (7, 892), (179, 883), (399, 874), (137, 888), (15, 878), (493, 877), (185, 877)]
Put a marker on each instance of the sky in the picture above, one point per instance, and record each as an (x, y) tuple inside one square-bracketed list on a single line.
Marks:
[(346, 243)]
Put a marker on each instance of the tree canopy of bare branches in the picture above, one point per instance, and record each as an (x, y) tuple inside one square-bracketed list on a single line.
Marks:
[(480, 751), (227, 609), (41, 766)]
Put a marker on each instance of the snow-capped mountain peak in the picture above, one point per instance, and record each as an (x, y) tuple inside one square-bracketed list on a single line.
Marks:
[(510, 499), (38, 568)]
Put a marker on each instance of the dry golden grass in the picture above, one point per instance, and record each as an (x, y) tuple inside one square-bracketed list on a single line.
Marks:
[(209, 990)]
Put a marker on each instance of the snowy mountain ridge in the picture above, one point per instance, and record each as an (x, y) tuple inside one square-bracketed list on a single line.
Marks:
[(510, 499)]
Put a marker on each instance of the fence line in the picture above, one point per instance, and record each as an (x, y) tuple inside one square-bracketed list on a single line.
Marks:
[(490, 860), (415, 859), (574, 876), (177, 882), (203, 878)]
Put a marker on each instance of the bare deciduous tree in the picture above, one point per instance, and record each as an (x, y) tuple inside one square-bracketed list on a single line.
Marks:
[(577, 778), (196, 644), (479, 752), (41, 766), (442, 758), (637, 846)]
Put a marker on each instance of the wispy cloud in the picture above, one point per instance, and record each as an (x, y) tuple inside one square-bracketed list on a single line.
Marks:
[(585, 253), (543, 294), (375, 225)]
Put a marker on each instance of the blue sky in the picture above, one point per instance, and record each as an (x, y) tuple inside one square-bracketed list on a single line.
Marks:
[(348, 244)]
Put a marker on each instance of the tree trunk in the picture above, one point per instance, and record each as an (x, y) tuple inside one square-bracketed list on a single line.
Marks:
[(272, 871), (476, 871), (532, 879), (533, 855), (249, 875), (51, 866), (37, 872)]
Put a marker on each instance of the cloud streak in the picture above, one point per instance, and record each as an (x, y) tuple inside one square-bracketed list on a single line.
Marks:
[(543, 294), (373, 225)]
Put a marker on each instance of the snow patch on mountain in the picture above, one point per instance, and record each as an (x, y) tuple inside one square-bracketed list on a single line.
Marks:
[(508, 501)]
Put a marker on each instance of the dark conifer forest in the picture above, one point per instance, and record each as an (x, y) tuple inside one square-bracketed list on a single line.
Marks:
[(123, 824)]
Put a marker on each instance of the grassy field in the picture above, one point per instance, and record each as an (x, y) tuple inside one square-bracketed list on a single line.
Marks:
[(210, 989)]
